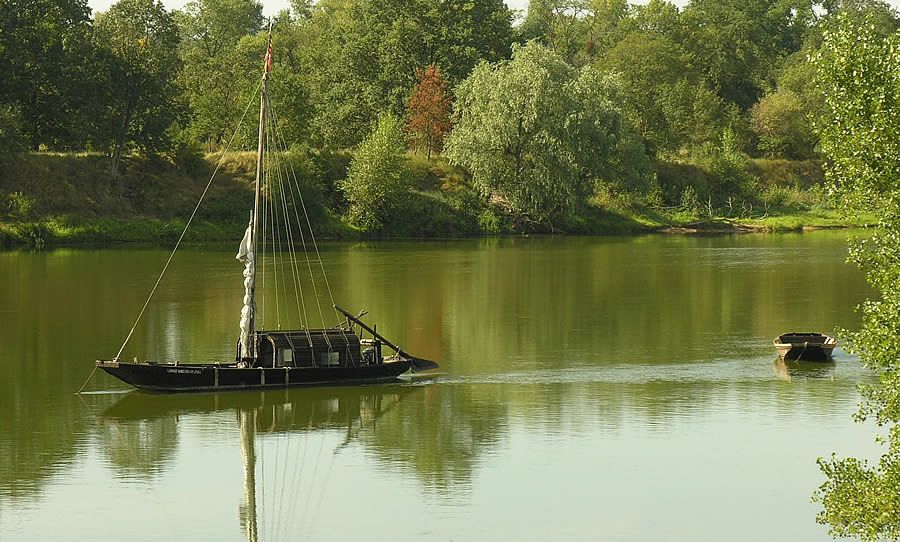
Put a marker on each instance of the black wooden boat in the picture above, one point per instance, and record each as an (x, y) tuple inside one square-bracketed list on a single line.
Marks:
[(212, 377), (310, 357), (807, 346), (303, 356), (282, 363)]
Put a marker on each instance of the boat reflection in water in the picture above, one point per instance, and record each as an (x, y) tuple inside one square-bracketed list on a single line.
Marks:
[(792, 370), (259, 414)]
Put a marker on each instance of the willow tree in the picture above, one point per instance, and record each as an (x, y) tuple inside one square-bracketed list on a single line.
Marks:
[(537, 133), (859, 74)]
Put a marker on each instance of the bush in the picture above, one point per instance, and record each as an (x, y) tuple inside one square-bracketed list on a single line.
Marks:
[(378, 178), (21, 207), (690, 202), (492, 222), (728, 166), (781, 126)]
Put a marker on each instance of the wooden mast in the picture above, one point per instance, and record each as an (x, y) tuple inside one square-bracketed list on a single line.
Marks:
[(260, 178)]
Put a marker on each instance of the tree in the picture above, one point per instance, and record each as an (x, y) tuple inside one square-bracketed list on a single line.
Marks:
[(859, 71), (47, 70), (666, 100), (735, 44), (577, 30), (428, 119), (212, 27), (216, 76), (363, 56), (780, 123), (377, 178), (11, 139), (140, 38), (659, 17), (535, 132)]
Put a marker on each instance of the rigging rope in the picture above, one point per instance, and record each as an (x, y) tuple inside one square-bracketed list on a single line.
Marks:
[(277, 190), (280, 136), (188, 225), (276, 246), (295, 271), (86, 380)]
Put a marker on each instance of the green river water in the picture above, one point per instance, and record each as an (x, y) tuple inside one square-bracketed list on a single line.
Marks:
[(590, 389)]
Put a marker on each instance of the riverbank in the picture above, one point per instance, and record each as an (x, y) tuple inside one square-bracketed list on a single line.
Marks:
[(67, 199), (69, 231)]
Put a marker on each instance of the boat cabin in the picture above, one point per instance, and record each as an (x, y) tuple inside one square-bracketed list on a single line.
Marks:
[(334, 347)]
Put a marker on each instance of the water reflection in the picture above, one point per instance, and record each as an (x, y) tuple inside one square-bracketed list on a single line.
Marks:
[(627, 345), (140, 430), (432, 434), (792, 370)]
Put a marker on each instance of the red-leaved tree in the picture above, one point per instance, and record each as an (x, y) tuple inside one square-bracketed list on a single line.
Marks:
[(428, 116)]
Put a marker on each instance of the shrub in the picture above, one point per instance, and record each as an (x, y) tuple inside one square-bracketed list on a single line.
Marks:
[(690, 202), (781, 125), (21, 207), (377, 179)]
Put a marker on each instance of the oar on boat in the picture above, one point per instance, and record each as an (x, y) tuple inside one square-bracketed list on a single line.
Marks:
[(417, 364)]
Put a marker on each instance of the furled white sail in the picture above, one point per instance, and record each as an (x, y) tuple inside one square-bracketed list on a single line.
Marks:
[(245, 255)]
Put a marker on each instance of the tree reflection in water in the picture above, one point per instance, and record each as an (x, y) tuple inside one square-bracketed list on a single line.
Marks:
[(430, 431)]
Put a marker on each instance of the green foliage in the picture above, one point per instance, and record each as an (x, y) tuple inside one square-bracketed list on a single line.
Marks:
[(536, 133), (862, 501), (577, 30), (728, 164), (139, 39), (21, 206), (492, 222), (780, 122), (858, 71), (364, 55), (210, 27), (377, 180), (690, 201), (48, 71), (12, 138), (666, 99), (859, 75), (734, 43), (660, 18), (216, 76)]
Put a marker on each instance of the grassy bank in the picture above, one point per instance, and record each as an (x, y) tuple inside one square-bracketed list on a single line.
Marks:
[(68, 199)]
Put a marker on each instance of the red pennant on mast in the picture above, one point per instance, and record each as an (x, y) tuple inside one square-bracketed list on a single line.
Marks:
[(269, 56)]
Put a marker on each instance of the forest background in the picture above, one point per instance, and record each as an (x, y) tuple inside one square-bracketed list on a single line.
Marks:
[(420, 117)]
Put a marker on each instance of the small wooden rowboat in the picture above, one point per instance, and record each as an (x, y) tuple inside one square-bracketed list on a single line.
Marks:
[(805, 346)]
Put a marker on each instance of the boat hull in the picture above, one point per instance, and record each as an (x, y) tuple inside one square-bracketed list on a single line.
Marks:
[(214, 377), (804, 346), (805, 353)]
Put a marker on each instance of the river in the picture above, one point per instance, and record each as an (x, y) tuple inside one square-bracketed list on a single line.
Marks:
[(608, 388)]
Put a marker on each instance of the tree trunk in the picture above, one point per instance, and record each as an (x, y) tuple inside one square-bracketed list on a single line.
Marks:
[(119, 144), (114, 162)]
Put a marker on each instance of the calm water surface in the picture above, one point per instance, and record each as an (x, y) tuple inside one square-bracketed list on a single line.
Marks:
[(592, 389)]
